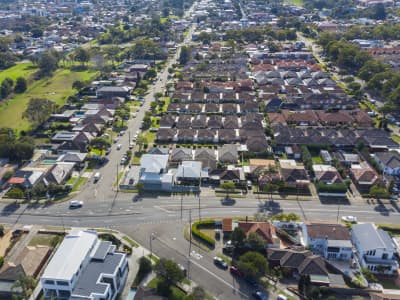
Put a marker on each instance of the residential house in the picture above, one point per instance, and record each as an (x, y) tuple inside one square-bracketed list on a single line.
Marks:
[(113, 91), (60, 172), (232, 174), (27, 177), (389, 162), (181, 154), (375, 249), (265, 230), (8, 277), (293, 174), (85, 267), (327, 174), (364, 176), (73, 157), (154, 173), (331, 241), (228, 154), (298, 262), (166, 135), (189, 172), (207, 156), (257, 143)]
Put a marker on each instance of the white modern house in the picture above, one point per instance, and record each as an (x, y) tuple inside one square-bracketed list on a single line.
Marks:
[(389, 162), (375, 249), (154, 173), (85, 267), (331, 241)]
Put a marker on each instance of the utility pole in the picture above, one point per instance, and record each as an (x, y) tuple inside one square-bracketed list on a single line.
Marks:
[(181, 206), (117, 178), (190, 242)]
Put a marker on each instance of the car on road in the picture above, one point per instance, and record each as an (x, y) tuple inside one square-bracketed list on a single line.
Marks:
[(219, 262), (131, 145), (123, 161), (351, 219), (116, 140), (135, 137), (119, 146), (281, 297), (235, 271), (122, 132), (75, 204), (260, 295)]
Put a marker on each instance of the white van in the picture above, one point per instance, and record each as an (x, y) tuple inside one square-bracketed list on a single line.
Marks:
[(97, 176)]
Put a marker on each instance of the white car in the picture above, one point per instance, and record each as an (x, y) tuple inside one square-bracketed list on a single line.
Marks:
[(75, 204), (351, 219), (119, 146), (135, 137)]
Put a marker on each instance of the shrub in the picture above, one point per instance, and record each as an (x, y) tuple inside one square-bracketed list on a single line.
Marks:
[(332, 188), (1, 261), (16, 193), (203, 237)]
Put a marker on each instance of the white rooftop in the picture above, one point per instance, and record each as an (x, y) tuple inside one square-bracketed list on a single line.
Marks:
[(70, 254)]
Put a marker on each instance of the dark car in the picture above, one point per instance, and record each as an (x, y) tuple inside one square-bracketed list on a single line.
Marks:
[(259, 295), (219, 262), (235, 271)]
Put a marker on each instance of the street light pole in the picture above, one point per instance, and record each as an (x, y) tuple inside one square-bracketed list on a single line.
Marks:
[(152, 237)]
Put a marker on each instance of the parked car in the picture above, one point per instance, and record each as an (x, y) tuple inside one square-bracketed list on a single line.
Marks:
[(122, 132), (281, 297), (351, 219), (394, 197), (135, 137), (235, 271), (75, 204), (259, 295), (108, 151), (96, 177), (219, 262), (119, 146), (131, 145)]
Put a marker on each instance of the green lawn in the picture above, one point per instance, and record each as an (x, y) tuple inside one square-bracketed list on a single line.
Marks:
[(57, 88), (130, 241), (294, 2), (395, 138), (79, 183), (42, 239), (19, 70), (317, 160)]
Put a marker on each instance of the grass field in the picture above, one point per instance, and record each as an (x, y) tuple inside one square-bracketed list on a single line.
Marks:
[(294, 2), (57, 88), (19, 70)]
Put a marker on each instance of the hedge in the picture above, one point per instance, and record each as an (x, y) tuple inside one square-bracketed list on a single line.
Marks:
[(331, 188), (391, 228), (203, 237)]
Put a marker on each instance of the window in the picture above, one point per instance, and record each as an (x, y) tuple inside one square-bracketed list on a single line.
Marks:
[(47, 281), (62, 283)]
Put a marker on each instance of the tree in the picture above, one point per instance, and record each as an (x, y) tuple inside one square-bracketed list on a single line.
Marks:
[(20, 85), (23, 287), (256, 242), (36, 32), (78, 85), (169, 271), (199, 293), (253, 264), (378, 192), (238, 237), (39, 110), (140, 141), (184, 56), (228, 186), (81, 55), (47, 64), (6, 87), (100, 143)]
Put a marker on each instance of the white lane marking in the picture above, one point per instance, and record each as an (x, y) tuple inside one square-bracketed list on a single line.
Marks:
[(163, 209)]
